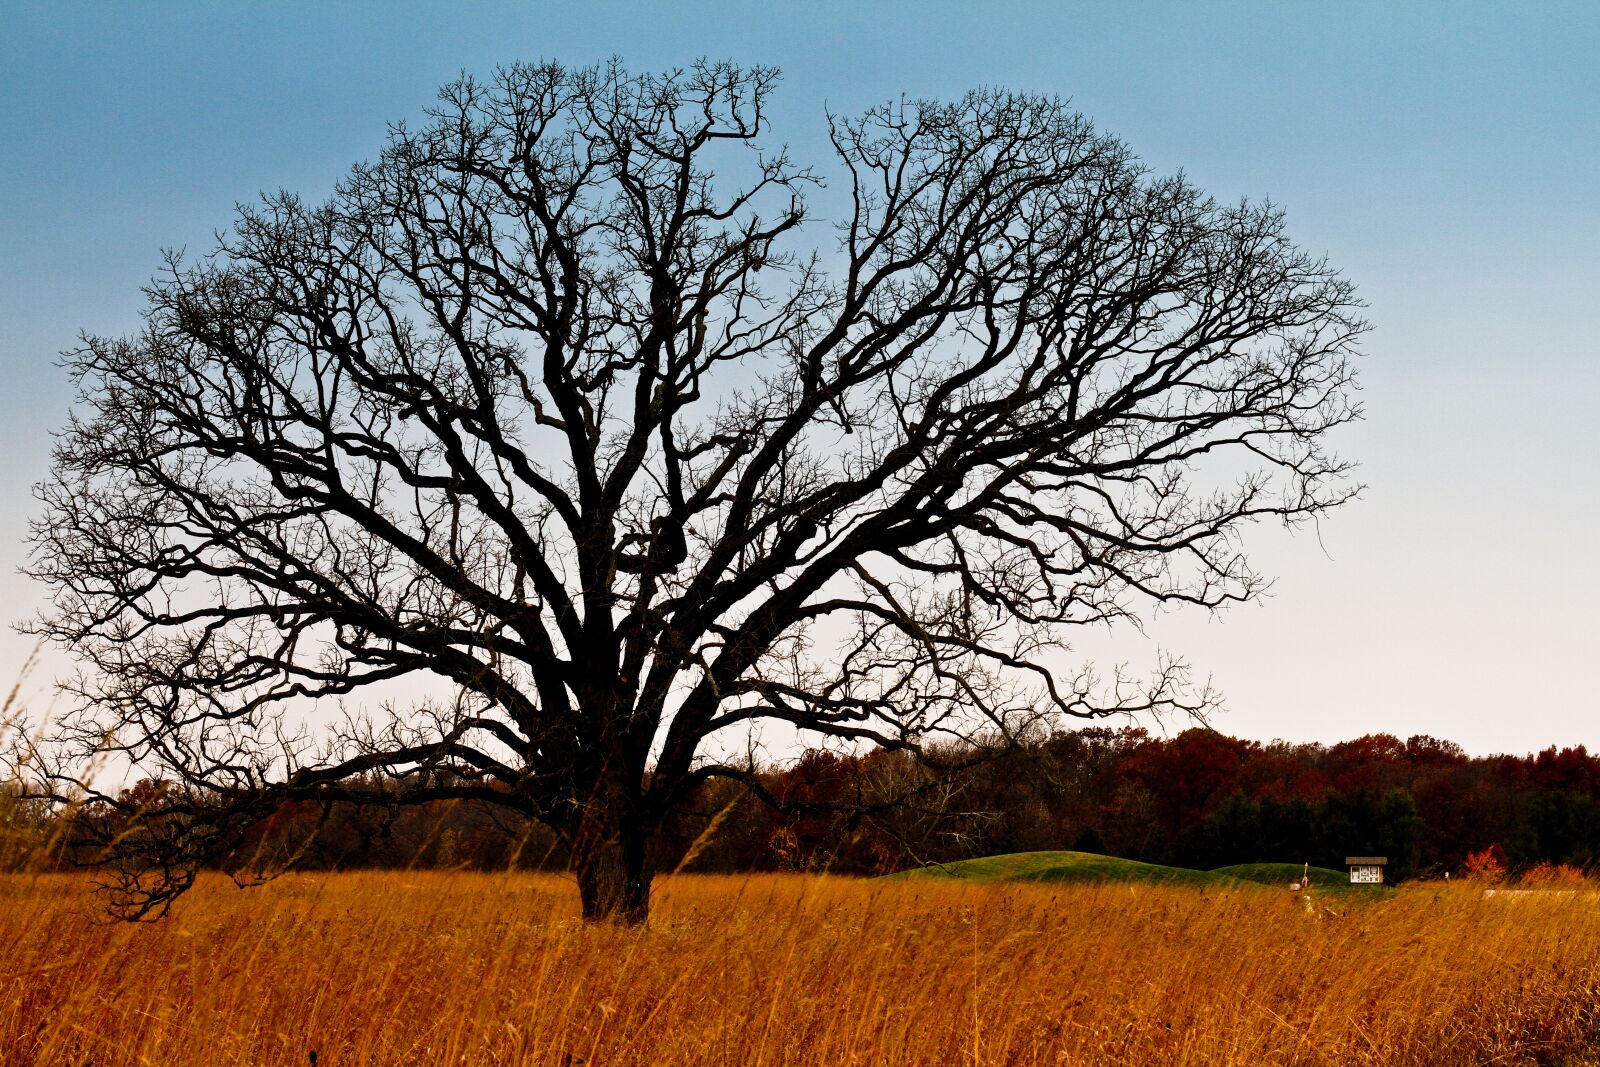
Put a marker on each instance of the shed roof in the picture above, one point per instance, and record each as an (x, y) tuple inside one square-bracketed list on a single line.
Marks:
[(1366, 861)]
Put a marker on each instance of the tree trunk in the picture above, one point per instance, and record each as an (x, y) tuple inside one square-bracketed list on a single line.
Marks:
[(611, 858)]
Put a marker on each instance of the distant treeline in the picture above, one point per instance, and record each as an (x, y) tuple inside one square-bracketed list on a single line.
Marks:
[(1199, 799)]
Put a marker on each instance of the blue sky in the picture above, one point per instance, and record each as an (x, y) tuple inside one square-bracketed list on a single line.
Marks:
[(1444, 155)]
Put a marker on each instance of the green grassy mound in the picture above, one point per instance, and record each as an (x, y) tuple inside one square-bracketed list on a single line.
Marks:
[(1283, 874), (1076, 867), (1091, 867)]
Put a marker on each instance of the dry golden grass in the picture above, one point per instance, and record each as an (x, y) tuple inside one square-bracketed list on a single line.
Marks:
[(428, 968)]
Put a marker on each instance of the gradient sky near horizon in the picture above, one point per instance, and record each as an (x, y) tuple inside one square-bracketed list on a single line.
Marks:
[(1444, 155)]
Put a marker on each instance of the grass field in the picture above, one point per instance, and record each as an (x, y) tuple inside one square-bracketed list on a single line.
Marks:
[(431, 968), (1092, 867), (1072, 867), (1285, 874)]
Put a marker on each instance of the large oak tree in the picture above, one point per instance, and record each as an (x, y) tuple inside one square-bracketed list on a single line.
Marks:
[(568, 406)]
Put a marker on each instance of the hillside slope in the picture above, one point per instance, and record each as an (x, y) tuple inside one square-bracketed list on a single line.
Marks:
[(1284, 874)]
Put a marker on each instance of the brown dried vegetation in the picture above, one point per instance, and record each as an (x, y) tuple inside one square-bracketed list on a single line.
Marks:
[(427, 967)]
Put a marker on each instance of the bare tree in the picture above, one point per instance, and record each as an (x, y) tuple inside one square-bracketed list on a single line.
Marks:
[(536, 407)]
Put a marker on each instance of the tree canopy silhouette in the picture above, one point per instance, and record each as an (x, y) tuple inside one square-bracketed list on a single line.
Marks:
[(555, 404)]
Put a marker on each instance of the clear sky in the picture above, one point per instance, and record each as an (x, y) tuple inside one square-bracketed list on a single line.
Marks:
[(1445, 155)]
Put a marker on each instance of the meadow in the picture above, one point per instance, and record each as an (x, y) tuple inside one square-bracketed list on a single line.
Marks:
[(462, 968)]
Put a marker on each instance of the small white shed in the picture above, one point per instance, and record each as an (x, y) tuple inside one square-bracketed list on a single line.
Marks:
[(1366, 870)]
